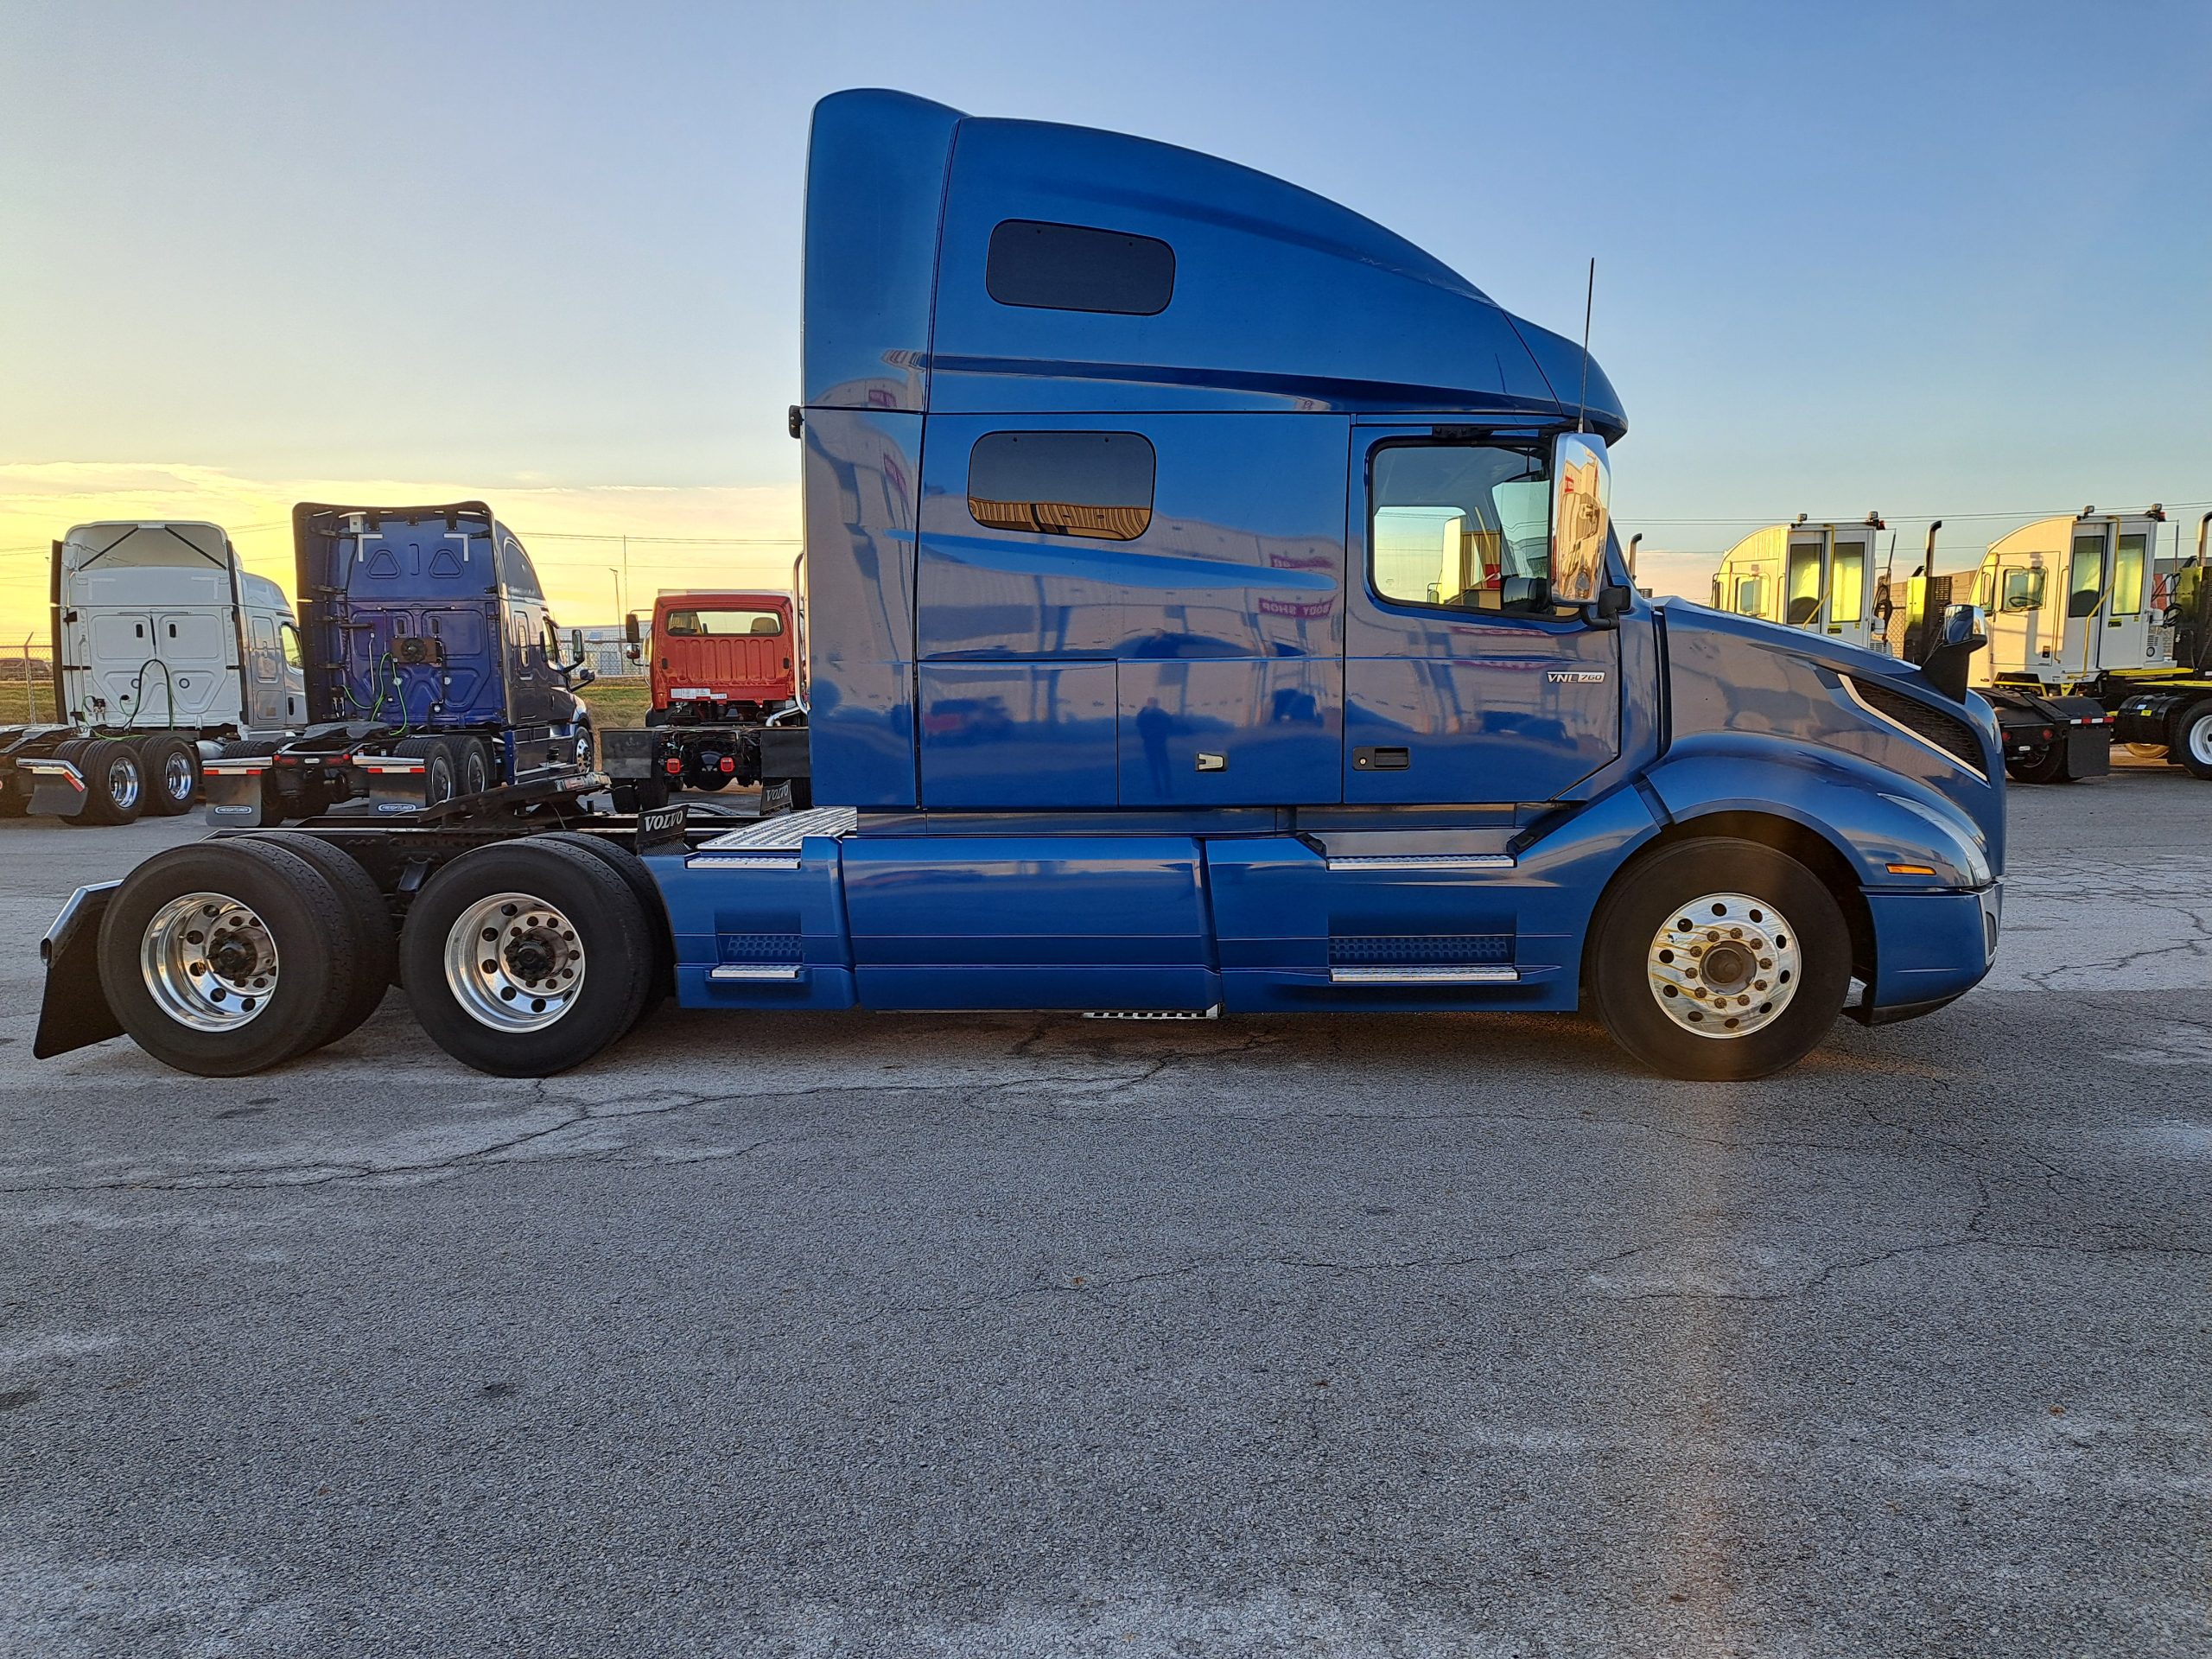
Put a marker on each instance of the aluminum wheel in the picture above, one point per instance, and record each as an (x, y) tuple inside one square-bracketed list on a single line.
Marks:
[(1725, 965), (514, 963), (124, 781), (209, 961), (177, 777)]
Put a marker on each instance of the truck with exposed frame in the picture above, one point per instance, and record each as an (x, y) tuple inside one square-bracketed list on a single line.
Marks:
[(165, 650), (1214, 610), (433, 669), (723, 674)]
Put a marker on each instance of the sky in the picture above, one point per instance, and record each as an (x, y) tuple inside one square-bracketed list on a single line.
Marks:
[(1925, 259)]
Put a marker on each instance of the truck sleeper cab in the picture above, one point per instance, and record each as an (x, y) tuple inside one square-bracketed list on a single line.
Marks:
[(1213, 609), (164, 648), (433, 669), (1808, 575)]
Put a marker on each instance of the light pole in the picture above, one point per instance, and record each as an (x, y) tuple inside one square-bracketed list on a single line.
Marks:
[(620, 609)]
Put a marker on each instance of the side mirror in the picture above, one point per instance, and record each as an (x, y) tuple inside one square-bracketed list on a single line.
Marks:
[(1525, 594), (1963, 631), (630, 632), (1581, 497), (576, 643), (1613, 602)]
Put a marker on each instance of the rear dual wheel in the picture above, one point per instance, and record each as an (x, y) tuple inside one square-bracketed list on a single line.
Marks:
[(525, 958), (1718, 959), (231, 955), (172, 768), (115, 779)]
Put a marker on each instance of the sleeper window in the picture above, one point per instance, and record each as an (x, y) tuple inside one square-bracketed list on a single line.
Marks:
[(1075, 267), (1096, 485)]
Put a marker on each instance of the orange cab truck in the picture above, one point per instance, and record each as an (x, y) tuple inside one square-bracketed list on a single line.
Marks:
[(726, 706)]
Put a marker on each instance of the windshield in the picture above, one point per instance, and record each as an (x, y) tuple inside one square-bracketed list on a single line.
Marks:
[(696, 625)]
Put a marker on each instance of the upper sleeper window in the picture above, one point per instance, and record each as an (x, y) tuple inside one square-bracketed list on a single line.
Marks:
[(1092, 484), (1074, 267)]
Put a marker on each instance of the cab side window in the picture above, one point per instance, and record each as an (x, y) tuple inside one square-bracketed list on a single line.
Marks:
[(1460, 527)]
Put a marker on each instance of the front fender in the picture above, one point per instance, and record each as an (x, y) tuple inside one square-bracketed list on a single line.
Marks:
[(1873, 817)]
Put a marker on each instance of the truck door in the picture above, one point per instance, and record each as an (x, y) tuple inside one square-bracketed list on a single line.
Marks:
[(1844, 612), (1463, 683), (2014, 602), (2089, 594), (2126, 640), (1802, 574)]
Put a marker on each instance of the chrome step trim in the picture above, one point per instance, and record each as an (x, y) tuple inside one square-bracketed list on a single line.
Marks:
[(1421, 861), (785, 830), (743, 862), (1411, 974), (733, 972), (1213, 1013)]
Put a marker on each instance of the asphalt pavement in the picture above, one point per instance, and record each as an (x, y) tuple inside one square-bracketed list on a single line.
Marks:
[(892, 1335)]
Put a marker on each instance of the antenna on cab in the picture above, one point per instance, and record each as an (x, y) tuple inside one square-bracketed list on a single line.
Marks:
[(1589, 299)]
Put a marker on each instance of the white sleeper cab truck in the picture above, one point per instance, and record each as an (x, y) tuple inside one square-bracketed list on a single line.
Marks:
[(164, 649)]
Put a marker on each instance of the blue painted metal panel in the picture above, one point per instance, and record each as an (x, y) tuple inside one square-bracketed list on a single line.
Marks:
[(862, 489), (1283, 300), (1225, 613), (1927, 946), (1040, 922), (1236, 731), (1731, 674), (875, 178), (755, 914), (1040, 736)]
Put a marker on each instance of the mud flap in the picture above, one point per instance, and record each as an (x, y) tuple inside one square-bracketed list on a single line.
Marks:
[(75, 1014), (57, 788), (235, 790)]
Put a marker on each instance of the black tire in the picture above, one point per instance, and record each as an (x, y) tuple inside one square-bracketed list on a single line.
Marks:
[(115, 782), (2048, 767), (441, 771), (710, 781), (475, 767), (2192, 738), (597, 912), (172, 775), (301, 913), (656, 717), (1623, 948), (631, 868), (370, 938)]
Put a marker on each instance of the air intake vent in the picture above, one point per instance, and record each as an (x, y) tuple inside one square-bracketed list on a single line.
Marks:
[(1946, 731)]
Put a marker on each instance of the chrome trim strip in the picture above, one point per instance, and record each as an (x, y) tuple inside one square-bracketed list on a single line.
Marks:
[(76, 902), (738, 861), (737, 972), (1440, 974), (1420, 861)]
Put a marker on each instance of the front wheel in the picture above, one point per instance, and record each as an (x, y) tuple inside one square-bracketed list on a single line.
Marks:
[(1718, 959), (2192, 743), (524, 958)]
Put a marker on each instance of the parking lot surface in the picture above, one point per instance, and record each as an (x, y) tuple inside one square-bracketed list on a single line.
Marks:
[(1025, 1336)]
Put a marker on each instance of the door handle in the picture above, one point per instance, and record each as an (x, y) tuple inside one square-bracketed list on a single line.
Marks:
[(1388, 760)]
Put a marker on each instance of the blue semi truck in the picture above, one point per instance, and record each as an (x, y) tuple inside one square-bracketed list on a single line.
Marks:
[(1213, 610), (433, 667)]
